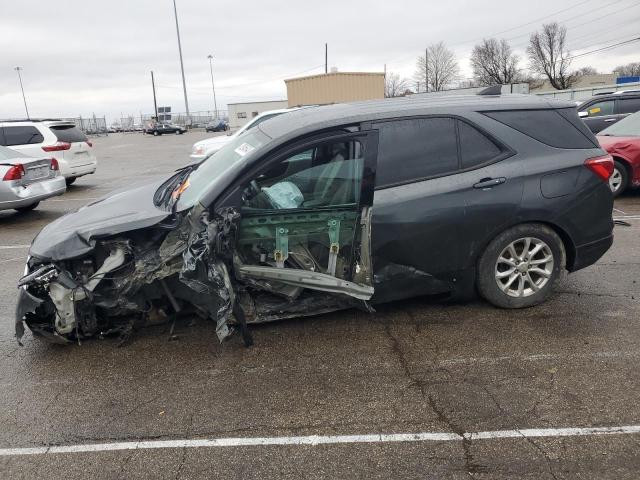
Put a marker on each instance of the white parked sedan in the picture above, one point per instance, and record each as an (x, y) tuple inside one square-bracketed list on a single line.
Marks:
[(26, 181), (204, 148)]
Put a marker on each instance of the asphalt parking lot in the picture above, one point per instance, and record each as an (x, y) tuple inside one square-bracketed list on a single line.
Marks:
[(440, 371)]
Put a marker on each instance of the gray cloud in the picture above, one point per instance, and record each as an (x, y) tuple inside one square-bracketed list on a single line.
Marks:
[(84, 56)]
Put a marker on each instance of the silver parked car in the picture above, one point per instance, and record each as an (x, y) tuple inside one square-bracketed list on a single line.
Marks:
[(26, 181)]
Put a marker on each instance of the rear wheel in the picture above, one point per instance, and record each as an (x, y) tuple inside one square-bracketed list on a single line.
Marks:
[(619, 179), (155, 133), (28, 208), (520, 266)]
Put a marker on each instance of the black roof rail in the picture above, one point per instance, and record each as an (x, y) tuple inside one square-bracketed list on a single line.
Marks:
[(492, 90)]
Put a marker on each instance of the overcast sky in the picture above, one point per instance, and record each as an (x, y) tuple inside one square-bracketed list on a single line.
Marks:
[(84, 56)]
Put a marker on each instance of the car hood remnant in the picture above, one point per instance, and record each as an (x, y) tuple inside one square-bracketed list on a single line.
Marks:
[(75, 233), (122, 263)]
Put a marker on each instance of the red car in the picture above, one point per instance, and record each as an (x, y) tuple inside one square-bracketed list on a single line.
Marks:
[(622, 141)]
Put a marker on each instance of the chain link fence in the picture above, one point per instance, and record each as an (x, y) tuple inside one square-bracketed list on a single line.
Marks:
[(94, 126)]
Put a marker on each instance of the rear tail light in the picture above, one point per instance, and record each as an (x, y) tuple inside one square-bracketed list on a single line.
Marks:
[(54, 164), (56, 147), (89, 143), (16, 172), (601, 166)]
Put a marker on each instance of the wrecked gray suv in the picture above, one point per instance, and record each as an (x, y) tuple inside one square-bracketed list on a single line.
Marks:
[(334, 207)]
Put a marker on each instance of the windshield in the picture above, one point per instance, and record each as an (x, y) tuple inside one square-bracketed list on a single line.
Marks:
[(213, 168), (627, 127), (7, 154)]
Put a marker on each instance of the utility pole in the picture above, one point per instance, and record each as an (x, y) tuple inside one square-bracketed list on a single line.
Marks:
[(215, 104), (426, 69), (184, 84), (155, 103), (17, 69), (326, 58)]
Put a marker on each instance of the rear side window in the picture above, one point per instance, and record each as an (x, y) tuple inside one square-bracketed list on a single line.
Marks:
[(629, 105), (546, 126), (22, 135), (412, 149), (68, 133), (475, 147)]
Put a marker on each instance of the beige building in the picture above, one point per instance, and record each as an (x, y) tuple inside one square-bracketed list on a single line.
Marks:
[(584, 81), (335, 87)]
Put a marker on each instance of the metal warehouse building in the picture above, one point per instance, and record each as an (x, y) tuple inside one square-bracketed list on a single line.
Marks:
[(335, 87)]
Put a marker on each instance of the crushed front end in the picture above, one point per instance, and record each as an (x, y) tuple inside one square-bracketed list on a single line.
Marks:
[(133, 279)]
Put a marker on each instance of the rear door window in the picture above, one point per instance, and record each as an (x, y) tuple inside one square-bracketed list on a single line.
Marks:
[(414, 149), (546, 126), (68, 133), (629, 105), (599, 109), (475, 147), (22, 135)]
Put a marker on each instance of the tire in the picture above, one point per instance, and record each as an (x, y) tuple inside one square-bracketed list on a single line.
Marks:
[(70, 181), (28, 208), (530, 286), (155, 134), (619, 179)]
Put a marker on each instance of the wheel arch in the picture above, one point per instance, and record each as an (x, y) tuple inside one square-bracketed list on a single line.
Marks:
[(567, 242), (626, 162)]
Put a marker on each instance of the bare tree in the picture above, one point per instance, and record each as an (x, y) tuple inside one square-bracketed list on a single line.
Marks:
[(494, 63), (548, 55), (441, 68), (628, 70), (395, 86), (586, 71)]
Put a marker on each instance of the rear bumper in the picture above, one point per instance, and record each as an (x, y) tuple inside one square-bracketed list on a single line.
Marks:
[(590, 253), (69, 171), (35, 192)]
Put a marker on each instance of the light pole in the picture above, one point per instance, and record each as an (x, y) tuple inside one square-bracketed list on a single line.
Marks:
[(184, 84), (215, 104), (17, 69)]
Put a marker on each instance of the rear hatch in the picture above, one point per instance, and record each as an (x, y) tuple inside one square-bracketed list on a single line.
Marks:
[(79, 152)]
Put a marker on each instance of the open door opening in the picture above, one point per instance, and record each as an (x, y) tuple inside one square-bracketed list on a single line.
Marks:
[(303, 242)]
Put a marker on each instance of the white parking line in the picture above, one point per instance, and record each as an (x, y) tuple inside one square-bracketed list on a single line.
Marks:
[(324, 440), (11, 247), (627, 217)]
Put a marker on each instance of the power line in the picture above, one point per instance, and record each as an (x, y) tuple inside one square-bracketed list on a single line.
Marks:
[(615, 45), (525, 42), (526, 24)]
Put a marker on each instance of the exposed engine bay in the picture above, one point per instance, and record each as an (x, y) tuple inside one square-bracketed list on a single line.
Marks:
[(234, 269)]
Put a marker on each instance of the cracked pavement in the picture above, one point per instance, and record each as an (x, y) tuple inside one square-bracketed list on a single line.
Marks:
[(414, 366)]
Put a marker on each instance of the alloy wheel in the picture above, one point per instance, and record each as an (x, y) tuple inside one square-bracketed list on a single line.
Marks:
[(524, 267), (615, 180)]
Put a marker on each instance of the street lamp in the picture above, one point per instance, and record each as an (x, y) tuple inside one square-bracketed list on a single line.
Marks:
[(184, 84), (17, 69), (215, 104)]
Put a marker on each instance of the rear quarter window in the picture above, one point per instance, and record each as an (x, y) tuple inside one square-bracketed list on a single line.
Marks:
[(22, 135), (475, 147), (546, 126), (65, 133)]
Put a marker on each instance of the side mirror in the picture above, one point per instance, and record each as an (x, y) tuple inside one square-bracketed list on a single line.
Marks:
[(583, 114)]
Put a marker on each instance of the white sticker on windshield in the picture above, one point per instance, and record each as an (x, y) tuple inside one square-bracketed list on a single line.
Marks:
[(243, 149)]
